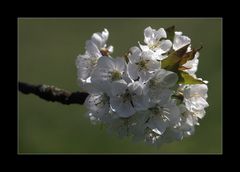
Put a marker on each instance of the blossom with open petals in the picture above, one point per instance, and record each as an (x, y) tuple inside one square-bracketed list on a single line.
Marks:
[(151, 94)]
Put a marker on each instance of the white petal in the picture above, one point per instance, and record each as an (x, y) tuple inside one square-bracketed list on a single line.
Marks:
[(182, 108), (170, 79), (110, 49), (135, 88), (90, 102), (153, 65), (118, 87), (173, 113), (144, 75), (146, 55), (135, 56), (197, 89), (120, 64), (165, 45), (140, 102), (161, 33), (157, 56), (165, 78), (92, 49), (89, 87), (200, 114), (192, 64), (161, 96), (148, 35), (177, 33), (84, 66), (132, 71), (123, 109), (190, 120), (180, 41), (102, 86), (134, 49), (115, 102), (98, 104), (106, 62), (126, 110), (196, 55), (98, 40), (144, 47), (101, 74), (126, 76), (105, 35), (198, 103), (157, 124), (202, 90)]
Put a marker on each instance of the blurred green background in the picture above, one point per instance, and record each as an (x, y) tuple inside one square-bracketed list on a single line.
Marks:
[(47, 50)]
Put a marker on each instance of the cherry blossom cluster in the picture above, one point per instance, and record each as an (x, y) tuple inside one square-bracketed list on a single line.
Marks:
[(151, 93)]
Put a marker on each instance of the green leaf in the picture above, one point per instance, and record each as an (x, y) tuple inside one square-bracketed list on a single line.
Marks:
[(173, 59), (189, 56), (185, 78), (177, 59), (170, 32), (186, 57)]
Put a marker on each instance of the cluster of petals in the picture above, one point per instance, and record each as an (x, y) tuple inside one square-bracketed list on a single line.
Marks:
[(134, 96)]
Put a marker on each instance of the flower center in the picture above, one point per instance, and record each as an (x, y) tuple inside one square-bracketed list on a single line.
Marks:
[(158, 111), (116, 75), (127, 97), (152, 84), (142, 64), (154, 110), (94, 61), (155, 45)]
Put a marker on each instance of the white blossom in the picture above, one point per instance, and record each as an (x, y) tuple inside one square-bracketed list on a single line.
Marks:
[(87, 62), (142, 65), (180, 40), (98, 106), (192, 65), (134, 96), (195, 99), (125, 101), (156, 41), (163, 116), (158, 86), (110, 74)]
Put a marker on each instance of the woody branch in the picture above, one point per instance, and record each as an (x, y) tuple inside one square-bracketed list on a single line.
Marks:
[(52, 93)]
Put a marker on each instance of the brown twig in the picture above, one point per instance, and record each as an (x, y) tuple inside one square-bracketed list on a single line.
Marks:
[(52, 93)]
